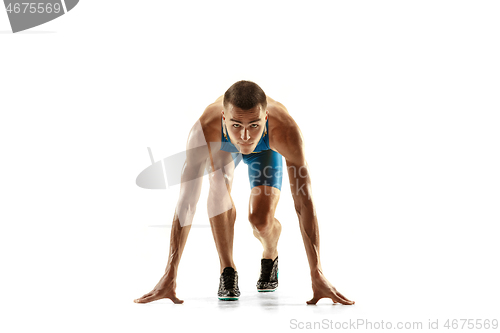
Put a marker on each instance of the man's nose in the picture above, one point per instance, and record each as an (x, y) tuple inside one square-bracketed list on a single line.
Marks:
[(245, 135)]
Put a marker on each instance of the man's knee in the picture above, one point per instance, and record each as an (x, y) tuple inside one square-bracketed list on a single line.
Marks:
[(219, 200), (261, 220)]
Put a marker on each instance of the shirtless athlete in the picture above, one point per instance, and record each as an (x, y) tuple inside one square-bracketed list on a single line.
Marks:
[(245, 124)]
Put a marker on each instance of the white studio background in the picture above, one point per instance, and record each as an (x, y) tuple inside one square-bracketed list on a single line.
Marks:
[(398, 103)]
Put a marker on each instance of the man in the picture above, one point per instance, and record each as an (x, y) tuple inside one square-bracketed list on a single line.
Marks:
[(245, 123)]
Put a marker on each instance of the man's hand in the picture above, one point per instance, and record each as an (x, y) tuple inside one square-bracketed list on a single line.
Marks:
[(322, 288), (164, 289)]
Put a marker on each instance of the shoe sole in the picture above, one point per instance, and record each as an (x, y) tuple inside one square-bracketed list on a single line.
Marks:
[(228, 298)]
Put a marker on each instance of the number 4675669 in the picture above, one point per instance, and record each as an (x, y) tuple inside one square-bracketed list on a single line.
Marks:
[(27, 7), (471, 324)]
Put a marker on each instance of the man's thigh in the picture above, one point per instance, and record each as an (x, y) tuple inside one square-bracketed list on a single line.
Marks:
[(265, 168), (220, 168)]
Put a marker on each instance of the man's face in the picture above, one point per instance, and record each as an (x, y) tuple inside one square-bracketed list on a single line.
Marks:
[(245, 127)]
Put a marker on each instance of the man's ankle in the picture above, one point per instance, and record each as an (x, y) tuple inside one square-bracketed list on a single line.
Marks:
[(270, 256)]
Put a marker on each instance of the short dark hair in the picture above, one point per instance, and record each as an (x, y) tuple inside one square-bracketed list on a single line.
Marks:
[(245, 95)]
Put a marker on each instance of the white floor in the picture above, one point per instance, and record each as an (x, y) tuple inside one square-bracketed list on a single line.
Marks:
[(384, 291), (85, 277)]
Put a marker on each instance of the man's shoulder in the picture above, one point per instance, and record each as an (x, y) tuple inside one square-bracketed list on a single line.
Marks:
[(210, 121), (282, 126)]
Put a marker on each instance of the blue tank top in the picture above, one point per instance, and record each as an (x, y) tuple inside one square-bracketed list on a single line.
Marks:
[(226, 144)]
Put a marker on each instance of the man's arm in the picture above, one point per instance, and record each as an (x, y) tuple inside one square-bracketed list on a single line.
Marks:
[(290, 144), (191, 181)]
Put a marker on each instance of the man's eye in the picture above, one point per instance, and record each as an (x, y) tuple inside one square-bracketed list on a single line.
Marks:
[(236, 125), (255, 125)]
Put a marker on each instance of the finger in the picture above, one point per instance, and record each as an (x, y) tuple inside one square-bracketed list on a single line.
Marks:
[(313, 300), (341, 300), (148, 299), (176, 300), (143, 296), (148, 294), (345, 298)]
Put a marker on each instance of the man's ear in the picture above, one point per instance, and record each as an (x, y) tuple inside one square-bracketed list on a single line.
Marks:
[(222, 112)]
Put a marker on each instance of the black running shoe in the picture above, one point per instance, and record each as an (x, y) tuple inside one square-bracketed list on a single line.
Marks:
[(268, 280), (228, 286)]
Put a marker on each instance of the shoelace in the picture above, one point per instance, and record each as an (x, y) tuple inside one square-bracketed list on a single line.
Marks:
[(229, 280), (265, 274)]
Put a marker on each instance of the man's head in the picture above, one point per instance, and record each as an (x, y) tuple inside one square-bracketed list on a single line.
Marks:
[(245, 114)]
